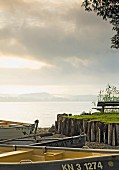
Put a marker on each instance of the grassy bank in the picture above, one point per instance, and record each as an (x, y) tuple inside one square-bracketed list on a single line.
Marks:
[(102, 117)]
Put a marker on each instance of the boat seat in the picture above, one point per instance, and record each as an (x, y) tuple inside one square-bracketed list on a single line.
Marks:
[(38, 158), (53, 156), (15, 156)]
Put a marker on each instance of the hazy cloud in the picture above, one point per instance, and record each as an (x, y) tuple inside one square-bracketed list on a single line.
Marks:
[(75, 43)]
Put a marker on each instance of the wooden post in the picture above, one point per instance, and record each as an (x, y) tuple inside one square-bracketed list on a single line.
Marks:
[(59, 122), (105, 133), (117, 133), (99, 139), (92, 131), (89, 132), (85, 126), (72, 127), (113, 135), (109, 134)]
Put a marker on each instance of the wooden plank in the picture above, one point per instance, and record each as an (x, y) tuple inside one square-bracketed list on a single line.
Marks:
[(108, 104)]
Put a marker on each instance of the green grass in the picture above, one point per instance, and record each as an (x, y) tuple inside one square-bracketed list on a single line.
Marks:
[(102, 117)]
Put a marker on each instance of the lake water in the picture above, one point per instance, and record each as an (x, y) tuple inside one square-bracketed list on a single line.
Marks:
[(45, 112)]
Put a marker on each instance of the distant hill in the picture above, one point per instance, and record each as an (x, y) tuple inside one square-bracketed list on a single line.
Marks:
[(34, 97)]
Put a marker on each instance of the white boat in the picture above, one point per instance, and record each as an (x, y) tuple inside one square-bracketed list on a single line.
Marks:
[(10, 129)]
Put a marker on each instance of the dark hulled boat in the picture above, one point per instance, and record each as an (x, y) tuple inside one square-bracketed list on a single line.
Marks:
[(74, 141)]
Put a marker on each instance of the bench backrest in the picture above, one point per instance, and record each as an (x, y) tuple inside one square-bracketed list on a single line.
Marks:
[(108, 103)]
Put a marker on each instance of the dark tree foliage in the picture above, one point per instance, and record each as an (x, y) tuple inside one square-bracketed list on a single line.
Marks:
[(107, 9)]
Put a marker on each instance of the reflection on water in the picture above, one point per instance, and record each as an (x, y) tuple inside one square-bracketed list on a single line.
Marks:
[(46, 112)]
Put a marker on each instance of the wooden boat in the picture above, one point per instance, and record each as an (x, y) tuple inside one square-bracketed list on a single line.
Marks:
[(10, 129), (53, 158), (75, 141)]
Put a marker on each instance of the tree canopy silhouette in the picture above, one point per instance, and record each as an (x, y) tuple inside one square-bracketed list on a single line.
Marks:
[(107, 9)]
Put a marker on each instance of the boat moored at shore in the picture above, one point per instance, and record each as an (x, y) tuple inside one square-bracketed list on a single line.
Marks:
[(10, 129), (42, 158), (33, 140)]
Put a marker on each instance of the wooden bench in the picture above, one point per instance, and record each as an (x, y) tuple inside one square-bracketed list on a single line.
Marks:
[(101, 106)]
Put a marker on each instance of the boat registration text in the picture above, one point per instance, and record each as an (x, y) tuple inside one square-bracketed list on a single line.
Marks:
[(86, 166)]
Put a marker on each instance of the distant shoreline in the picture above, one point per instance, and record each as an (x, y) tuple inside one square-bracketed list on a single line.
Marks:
[(46, 97)]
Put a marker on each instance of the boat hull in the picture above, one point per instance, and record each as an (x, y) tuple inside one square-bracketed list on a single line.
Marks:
[(10, 129), (75, 141), (96, 163), (16, 131)]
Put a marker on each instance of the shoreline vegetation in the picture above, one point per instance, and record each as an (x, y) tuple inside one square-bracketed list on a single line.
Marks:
[(107, 117)]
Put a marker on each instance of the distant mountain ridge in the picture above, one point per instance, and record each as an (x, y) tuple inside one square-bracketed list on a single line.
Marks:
[(34, 97)]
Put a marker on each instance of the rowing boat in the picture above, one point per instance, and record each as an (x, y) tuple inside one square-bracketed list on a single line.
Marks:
[(74, 141), (11, 129), (54, 158)]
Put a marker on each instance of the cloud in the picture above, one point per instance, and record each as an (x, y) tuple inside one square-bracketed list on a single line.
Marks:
[(74, 42), (50, 30)]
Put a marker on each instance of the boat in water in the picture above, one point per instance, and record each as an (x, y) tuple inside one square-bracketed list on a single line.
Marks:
[(10, 129), (54, 158)]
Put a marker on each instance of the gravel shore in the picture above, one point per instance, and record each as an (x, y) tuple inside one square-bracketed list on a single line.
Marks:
[(95, 145)]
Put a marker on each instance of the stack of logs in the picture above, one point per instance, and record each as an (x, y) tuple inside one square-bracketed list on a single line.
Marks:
[(95, 131)]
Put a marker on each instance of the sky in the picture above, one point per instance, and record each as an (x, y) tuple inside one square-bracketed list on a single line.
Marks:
[(55, 46)]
